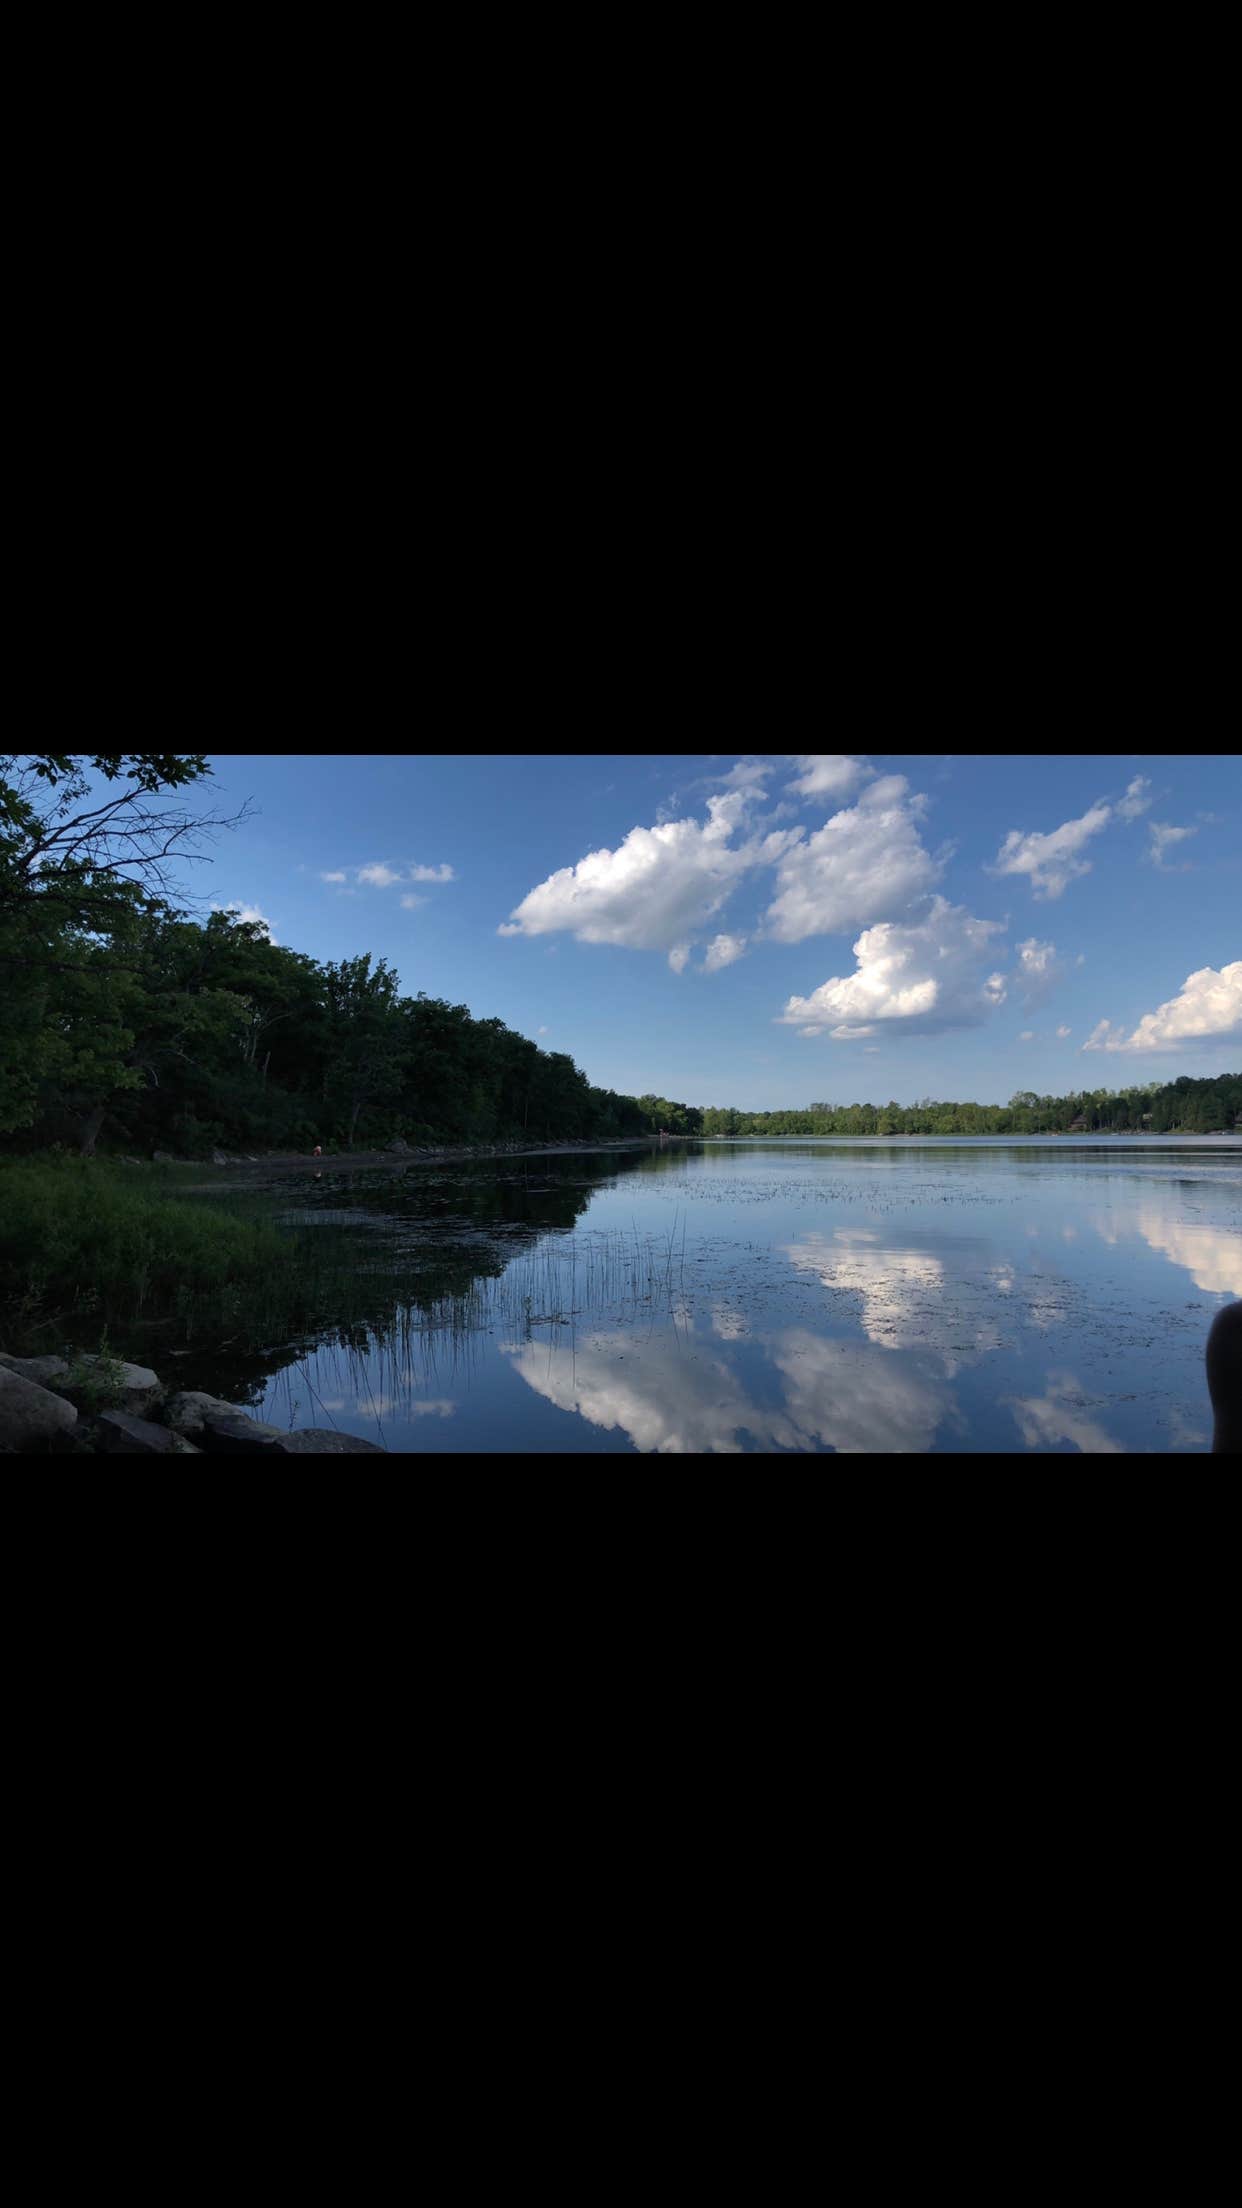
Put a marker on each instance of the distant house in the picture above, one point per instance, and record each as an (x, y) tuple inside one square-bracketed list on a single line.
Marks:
[(1078, 1126)]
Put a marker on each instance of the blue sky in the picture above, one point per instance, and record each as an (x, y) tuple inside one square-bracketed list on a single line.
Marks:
[(762, 929)]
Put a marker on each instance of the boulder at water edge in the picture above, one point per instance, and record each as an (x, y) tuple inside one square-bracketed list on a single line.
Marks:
[(233, 1433), (42, 1370), (121, 1430), (129, 1387), (32, 1417), (184, 1413)]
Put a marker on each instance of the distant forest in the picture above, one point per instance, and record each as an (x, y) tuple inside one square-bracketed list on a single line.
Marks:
[(129, 1026), (1184, 1106)]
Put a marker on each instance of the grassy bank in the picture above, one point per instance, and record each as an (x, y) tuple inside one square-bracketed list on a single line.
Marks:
[(86, 1246), (83, 1243)]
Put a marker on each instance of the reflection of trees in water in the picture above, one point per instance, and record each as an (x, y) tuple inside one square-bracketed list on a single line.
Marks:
[(390, 1265)]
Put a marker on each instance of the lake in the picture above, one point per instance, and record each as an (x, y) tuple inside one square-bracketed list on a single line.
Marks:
[(911, 1296)]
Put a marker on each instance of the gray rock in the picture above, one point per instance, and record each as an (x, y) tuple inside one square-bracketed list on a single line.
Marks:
[(137, 1388), (121, 1430), (42, 1370), (399, 1144), (325, 1441), (218, 1158), (162, 1157), (184, 1412), (32, 1417), (233, 1434)]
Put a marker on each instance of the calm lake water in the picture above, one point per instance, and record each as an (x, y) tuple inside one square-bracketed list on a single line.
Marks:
[(795, 1296)]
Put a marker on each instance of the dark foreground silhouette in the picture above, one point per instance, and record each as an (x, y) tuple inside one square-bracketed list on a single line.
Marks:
[(1224, 1379)]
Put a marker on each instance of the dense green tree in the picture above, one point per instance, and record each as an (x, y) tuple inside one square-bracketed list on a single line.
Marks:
[(365, 1041)]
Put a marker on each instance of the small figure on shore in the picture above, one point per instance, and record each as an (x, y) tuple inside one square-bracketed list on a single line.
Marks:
[(1224, 1379), (317, 1152)]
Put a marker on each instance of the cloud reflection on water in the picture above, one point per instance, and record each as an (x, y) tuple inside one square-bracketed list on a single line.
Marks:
[(664, 1399), (1058, 1415), (856, 1398), (852, 1397), (1211, 1255), (905, 1299)]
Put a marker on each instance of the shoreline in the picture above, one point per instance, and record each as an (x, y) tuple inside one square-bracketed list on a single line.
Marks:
[(287, 1161)]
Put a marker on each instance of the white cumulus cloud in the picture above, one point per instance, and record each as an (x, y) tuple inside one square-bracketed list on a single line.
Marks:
[(924, 975), (722, 951), (247, 913), (1052, 860), (826, 774), (379, 875), (411, 901), (748, 774), (1062, 1032), (1137, 798), (662, 885), (1163, 838), (1208, 1004), (656, 888), (1038, 970), (865, 861)]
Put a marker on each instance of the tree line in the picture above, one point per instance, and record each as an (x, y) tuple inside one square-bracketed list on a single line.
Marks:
[(130, 1025), (1181, 1106)]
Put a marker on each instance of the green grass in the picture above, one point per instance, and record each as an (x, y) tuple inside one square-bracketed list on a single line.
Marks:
[(85, 1244), (84, 1240)]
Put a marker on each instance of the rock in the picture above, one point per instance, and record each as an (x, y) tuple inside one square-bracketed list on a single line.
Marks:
[(218, 1158), (131, 1161), (162, 1157), (399, 1144), (136, 1387), (32, 1417), (325, 1441), (233, 1434), (184, 1412), (121, 1430), (42, 1370)]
